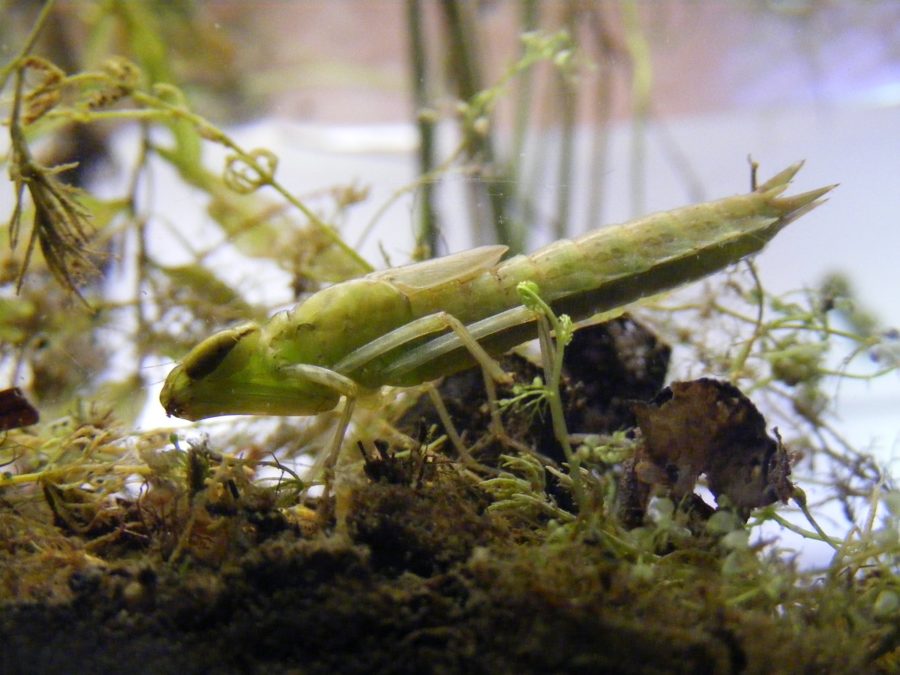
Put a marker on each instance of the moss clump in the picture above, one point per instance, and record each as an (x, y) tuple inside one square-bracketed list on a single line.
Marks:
[(392, 598)]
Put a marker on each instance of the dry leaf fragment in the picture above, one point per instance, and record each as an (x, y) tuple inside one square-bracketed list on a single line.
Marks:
[(707, 427), (15, 410)]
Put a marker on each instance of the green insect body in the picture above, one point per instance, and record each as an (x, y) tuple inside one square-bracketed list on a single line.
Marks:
[(390, 327)]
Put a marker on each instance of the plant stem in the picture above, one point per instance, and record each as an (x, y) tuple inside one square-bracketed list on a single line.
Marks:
[(7, 70), (427, 230), (641, 86)]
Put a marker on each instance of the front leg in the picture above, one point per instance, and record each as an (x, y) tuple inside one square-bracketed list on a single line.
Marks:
[(349, 390), (341, 384)]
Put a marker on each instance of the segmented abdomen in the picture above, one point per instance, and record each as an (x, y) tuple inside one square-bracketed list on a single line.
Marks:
[(616, 265), (622, 263)]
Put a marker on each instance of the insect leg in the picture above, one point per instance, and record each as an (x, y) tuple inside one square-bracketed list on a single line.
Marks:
[(461, 336), (452, 433), (439, 346), (414, 330), (344, 386), (347, 388)]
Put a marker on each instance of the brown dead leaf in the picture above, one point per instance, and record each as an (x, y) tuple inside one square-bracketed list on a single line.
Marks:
[(15, 410), (707, 427)]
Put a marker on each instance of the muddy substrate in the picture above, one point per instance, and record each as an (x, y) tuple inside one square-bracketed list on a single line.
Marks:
[(429, 584)]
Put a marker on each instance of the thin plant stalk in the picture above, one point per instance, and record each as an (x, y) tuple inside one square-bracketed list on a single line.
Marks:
[(427, 230)]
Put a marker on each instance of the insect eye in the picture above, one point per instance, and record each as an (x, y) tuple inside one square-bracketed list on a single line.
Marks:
[(206, 357)]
